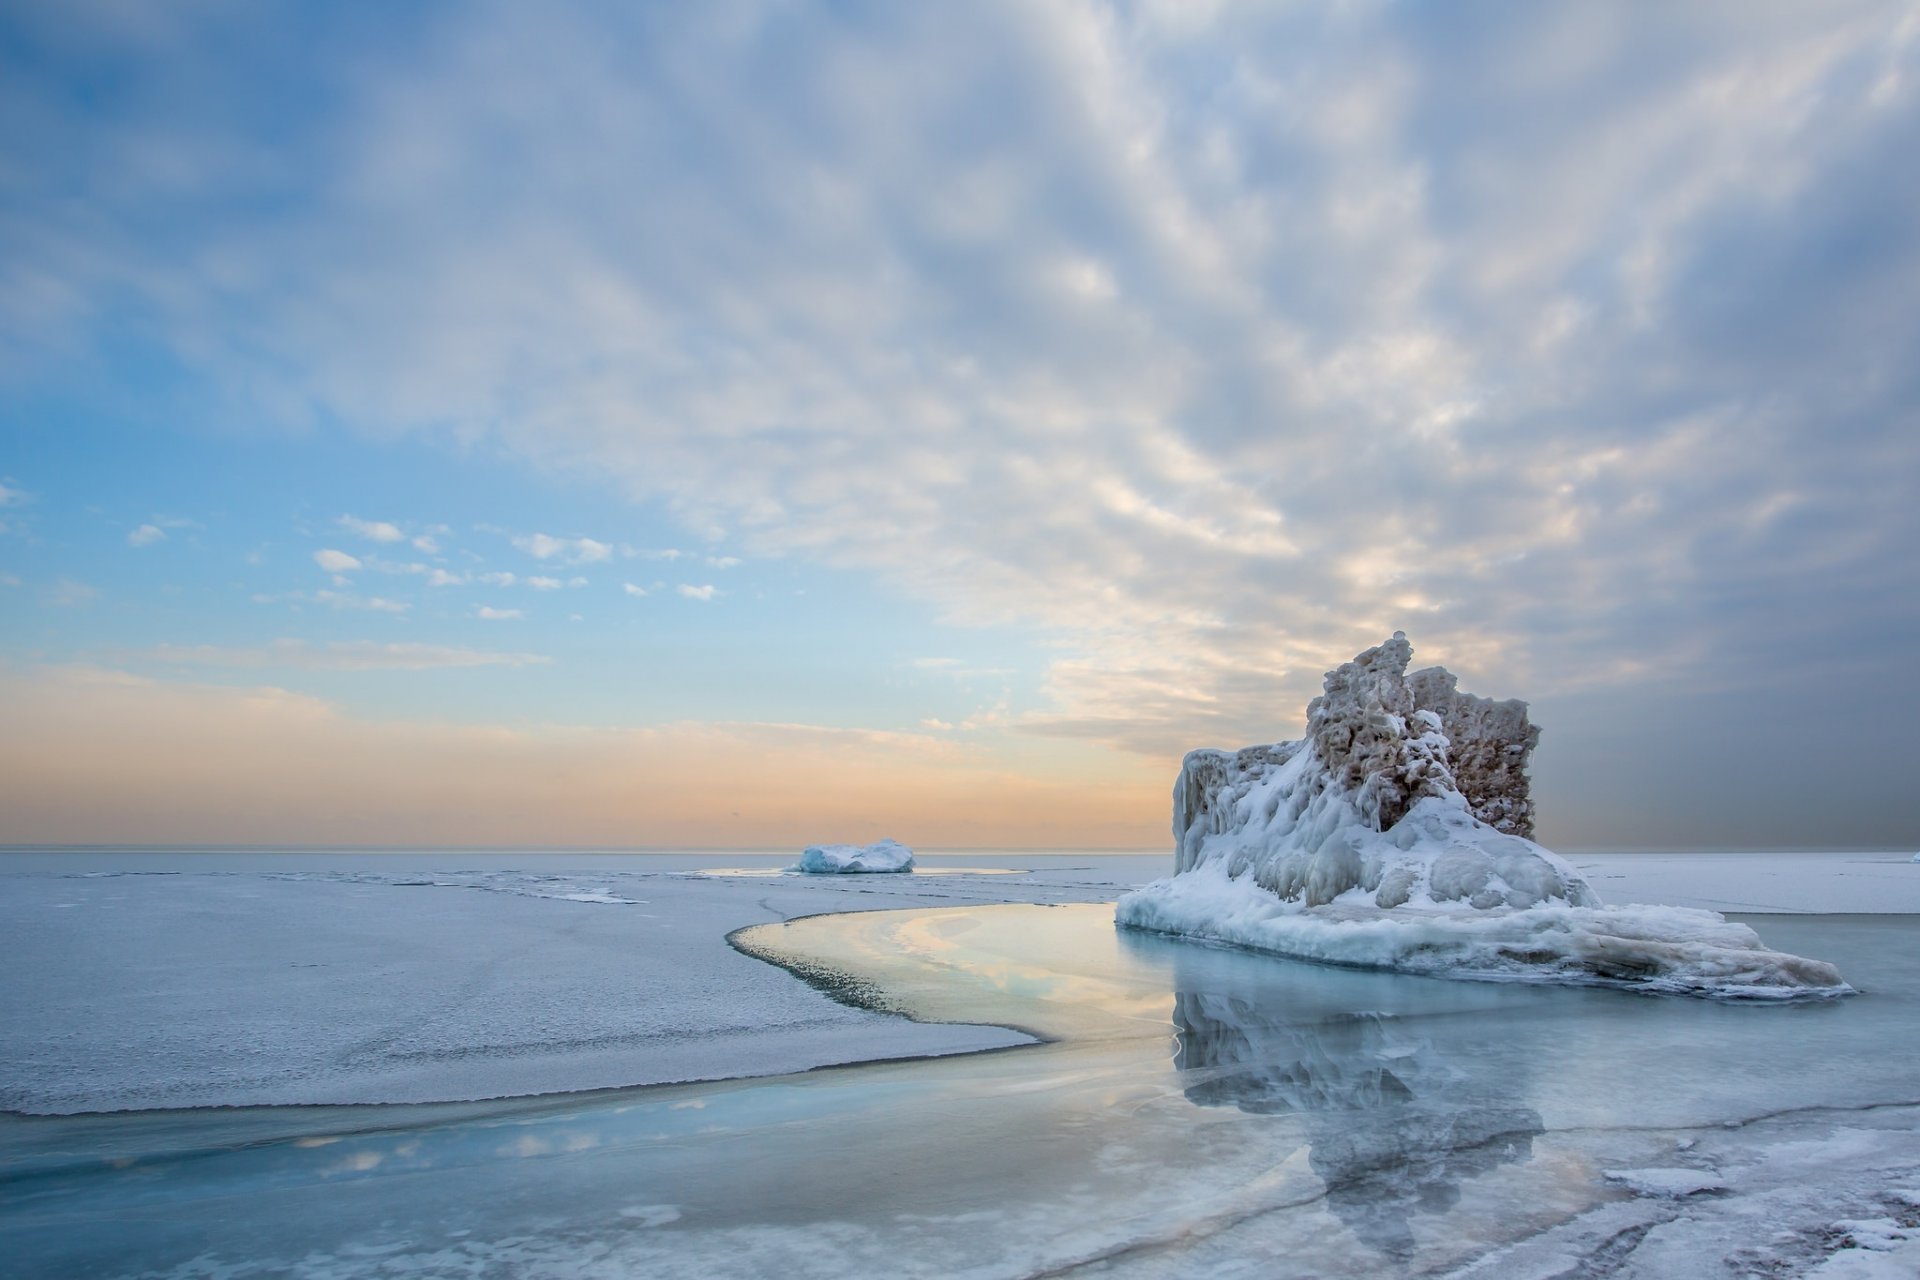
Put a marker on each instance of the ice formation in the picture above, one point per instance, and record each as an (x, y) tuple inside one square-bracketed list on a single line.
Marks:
[(1395, 835), (833, 859)]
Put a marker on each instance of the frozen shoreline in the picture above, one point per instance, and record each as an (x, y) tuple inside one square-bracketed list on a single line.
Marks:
[(182, 979), (165, 981), (1358, 1123)]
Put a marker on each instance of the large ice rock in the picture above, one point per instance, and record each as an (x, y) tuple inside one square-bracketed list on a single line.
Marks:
[(1396, 835), (831, 859)]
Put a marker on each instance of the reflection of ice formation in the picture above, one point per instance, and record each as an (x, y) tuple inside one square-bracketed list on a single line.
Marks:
[(831, 859), (1391, 1129), (1394, 835)]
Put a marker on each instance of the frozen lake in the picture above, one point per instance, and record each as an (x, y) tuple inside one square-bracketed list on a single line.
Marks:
[(1190, 1110)]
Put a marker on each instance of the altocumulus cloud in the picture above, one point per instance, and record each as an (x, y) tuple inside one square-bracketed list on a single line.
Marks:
[(1213, 341)]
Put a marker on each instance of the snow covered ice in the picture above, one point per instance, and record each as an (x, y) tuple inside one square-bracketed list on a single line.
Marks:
[(1395, 835), (882, 856), (1191, 1110)]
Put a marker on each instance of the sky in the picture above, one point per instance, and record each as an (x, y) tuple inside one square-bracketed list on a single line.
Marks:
[(756, 423)]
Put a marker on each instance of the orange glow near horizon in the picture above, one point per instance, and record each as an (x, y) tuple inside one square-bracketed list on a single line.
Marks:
[(101, 757)]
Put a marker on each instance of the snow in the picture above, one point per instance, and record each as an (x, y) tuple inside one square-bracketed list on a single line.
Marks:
[(1363, 844), (154, 980), (881, 857)]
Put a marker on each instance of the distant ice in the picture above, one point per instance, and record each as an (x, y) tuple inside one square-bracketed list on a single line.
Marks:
[(1377, 841), (880, 857)]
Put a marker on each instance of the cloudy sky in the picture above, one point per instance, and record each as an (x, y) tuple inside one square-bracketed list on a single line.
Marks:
[(758, 422)]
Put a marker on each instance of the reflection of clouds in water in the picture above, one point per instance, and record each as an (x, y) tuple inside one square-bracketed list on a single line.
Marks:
[(1393, 1130)]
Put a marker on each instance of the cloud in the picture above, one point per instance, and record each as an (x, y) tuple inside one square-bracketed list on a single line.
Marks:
[(372, 530), (336, 561), (1204, 345), (11, 497), (146, 535), (705, 592), (567, 550), (498, 615), (545, 584), (340, 655), (633, 590), (348, 600), (959, 670), (442, 578), (69, 594)]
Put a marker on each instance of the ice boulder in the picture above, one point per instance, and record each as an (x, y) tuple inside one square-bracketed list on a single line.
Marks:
[(1396, 834), (840, 859)]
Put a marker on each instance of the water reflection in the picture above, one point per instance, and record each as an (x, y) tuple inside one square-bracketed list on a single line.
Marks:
[(1393, 1128)]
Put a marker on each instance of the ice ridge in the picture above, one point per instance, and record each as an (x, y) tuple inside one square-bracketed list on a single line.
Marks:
[(1396, 834)]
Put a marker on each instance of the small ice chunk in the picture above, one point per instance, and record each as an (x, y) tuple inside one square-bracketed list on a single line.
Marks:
[(652, 1215), (838, 859), (1665, 1184)]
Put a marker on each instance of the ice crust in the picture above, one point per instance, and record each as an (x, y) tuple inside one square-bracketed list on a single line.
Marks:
[(880, 857), (1376, 841)]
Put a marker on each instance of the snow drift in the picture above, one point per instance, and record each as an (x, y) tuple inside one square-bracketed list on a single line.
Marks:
[(833, 859), (1396, 835)]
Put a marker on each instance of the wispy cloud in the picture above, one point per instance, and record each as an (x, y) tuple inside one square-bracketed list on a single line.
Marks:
[(146, 535), (543, 546), (372, 530), (346, 600), (336, 561), (633, 589), (344, 655), (705, 591), (498, 615), (68, 594)]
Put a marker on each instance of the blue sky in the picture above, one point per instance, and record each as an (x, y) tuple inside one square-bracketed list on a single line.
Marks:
[(991, 401)]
